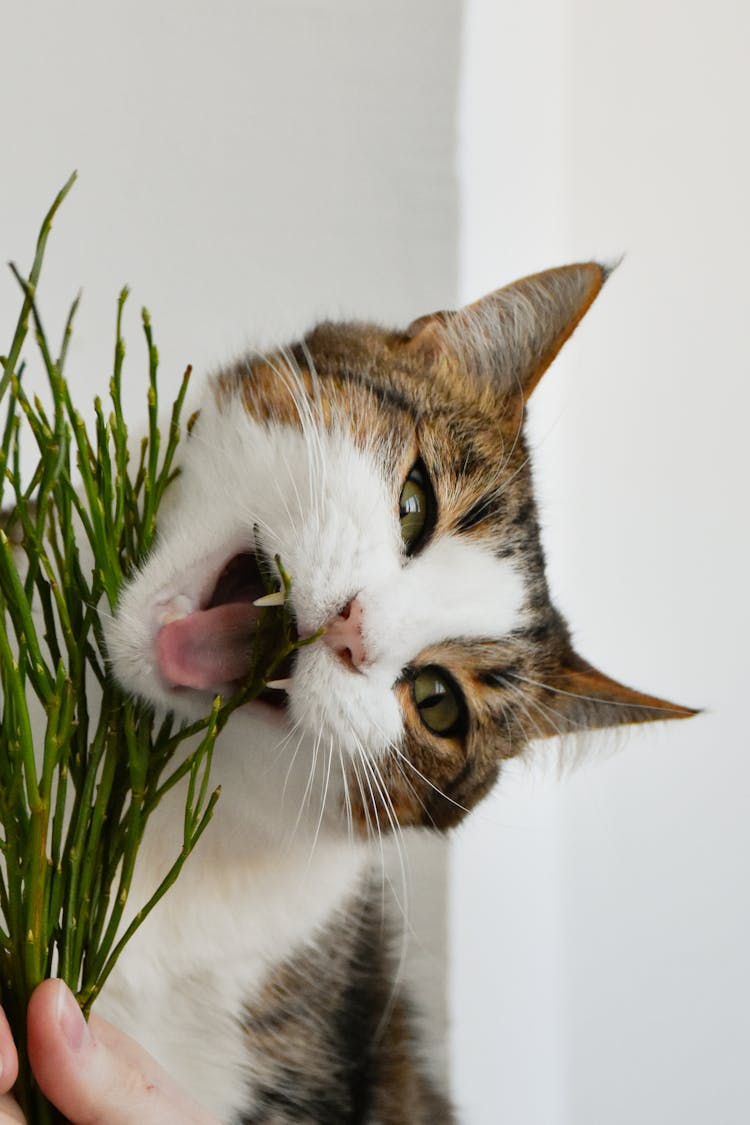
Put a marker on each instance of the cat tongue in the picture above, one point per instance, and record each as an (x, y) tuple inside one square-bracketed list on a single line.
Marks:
[(209, 648)]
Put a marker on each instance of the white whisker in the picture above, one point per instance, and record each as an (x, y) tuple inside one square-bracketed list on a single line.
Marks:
[(323, 802)]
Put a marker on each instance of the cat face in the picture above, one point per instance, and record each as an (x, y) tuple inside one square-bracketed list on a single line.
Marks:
[(390, 473)]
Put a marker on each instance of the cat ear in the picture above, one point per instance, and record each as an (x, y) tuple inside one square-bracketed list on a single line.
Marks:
[(513, 334), (580, 697)]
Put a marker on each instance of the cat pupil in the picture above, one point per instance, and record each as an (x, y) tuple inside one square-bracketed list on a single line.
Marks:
[(439, 702), (416, 508)]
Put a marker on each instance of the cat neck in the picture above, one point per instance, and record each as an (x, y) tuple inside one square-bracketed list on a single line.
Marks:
[(265, 873)]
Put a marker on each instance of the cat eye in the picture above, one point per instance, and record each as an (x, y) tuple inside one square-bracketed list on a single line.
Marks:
[(439, 702), (416, 508)]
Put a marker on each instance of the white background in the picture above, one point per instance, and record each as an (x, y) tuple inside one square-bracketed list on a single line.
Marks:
[(249, 166), (601, 926)]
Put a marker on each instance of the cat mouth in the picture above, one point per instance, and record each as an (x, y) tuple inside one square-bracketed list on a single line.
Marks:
[(211, 647)]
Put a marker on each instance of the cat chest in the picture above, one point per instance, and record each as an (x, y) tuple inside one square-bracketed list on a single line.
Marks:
[(192, 981)]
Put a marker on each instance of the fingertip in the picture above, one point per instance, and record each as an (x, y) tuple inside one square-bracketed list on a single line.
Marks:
[(98, 1074), (54, 1008), (57, 1037), (55, 1023), (46, 996), (8, 1056), (10, 1111)]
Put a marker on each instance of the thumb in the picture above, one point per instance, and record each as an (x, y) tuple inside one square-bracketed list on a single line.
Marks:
[(94, 1073)]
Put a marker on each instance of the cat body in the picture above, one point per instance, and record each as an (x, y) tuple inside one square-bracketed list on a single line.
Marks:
[(389, 472)]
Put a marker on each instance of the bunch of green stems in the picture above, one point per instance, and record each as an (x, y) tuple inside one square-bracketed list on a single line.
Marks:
[(82, 766)]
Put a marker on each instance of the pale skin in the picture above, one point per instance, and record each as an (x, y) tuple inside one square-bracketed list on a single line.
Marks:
[(93, 1073)]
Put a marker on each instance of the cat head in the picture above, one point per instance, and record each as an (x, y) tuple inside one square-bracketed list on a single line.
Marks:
[(389, 471)]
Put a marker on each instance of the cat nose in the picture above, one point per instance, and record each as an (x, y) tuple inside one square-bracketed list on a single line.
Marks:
[(344, 635)]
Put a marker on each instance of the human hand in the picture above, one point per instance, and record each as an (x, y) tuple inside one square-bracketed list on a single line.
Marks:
[(92, 1072)]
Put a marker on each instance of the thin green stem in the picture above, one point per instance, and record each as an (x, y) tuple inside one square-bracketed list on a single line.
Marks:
[(36, 269), (74, 807)]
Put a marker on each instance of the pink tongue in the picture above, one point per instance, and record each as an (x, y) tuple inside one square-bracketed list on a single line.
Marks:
[(209, 648)]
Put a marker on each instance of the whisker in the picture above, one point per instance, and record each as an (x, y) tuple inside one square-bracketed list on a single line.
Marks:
[(347, 797), (353, 762), (309, 423), (290, 767), (308, 788), (587, 698), (323, 801), (427, 781), (522, 701), (396, 762), (363, 759), (402, 903)]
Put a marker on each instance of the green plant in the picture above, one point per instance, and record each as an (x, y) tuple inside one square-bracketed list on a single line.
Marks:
[(75, 803)]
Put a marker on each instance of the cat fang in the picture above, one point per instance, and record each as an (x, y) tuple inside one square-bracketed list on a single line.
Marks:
[(210, 646), (390, 471)]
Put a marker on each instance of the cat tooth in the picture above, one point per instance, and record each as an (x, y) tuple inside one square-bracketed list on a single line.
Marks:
[(175, 610), (277, 598), (279, 685)]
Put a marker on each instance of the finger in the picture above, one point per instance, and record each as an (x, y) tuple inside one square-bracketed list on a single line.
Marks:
[(10, 1111), (94, 1073), (8, 1057)]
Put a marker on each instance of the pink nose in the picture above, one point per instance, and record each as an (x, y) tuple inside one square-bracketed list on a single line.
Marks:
[(344, 635)]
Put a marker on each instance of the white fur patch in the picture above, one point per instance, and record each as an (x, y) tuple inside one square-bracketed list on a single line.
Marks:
[(324, 505), (182, 986), (274, 862)]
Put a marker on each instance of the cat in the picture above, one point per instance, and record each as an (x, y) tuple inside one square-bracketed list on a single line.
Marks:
[(390, 472)]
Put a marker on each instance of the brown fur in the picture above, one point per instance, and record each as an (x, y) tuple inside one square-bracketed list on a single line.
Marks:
[(336, 1040), (450, 390)]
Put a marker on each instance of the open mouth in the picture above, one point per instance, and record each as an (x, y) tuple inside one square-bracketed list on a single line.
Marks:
[(240, 581), (212, 648)]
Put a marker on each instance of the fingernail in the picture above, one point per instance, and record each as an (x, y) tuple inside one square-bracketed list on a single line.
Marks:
[(70, 1018)]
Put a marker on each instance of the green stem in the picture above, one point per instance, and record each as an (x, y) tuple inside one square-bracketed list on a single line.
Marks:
[(36, 269), (74, 809), (87, 996)]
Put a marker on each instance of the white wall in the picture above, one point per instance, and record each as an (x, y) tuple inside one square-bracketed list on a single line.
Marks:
[(505, 979), (247, 166), (617, 936)]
